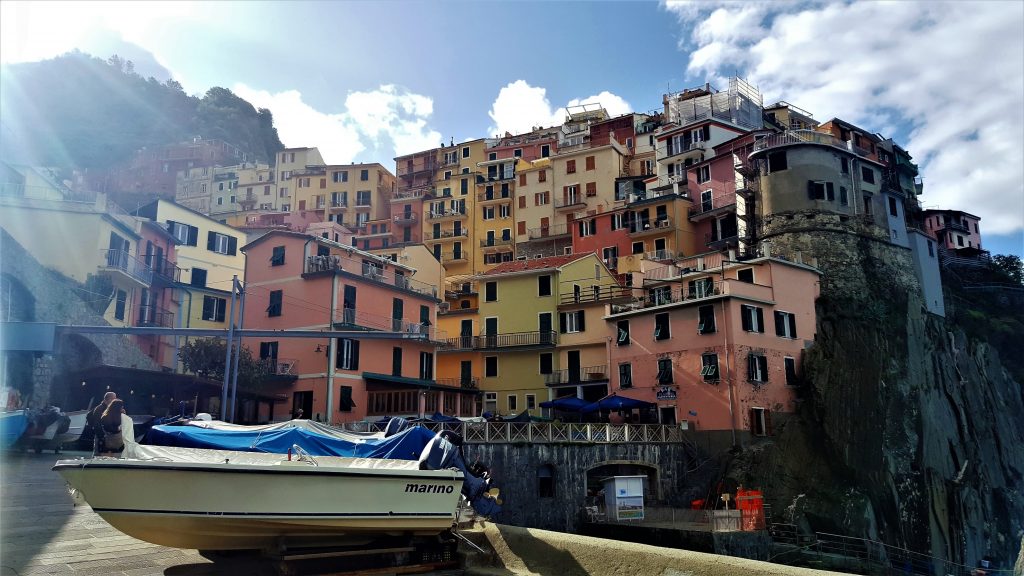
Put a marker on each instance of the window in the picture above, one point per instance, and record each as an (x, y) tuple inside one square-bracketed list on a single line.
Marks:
[(364, 175), (706, 320), (777, 162), (815, 190), (119, 305), (221, 244), (490, 402), (545, 151), (545, 475), (426, 365), (546, 363), (571, 322), (274, 309), (570, 167), (341, 176), (785, 324), (198, 277), (464, 186), (759, 421), (541, 198), (753, 318), (491, 367), (504, 211), (513, 403), (220, 201), (638, 247), (587, 227), (790, 371), (277, 258), (346, 404), (544, 285), (616, 221), (622, 334), (661, 330), (465, 151), (844, 198), (703, 174), (183, 233), (589, 162), (522, 179), (664, 371), (213, 308), (491, 292), (531, 401), (757, 368), (709, 367), (701, 288), (931, 249), (844, 165), (363, 199), (867, 175), (625, 375), (591, 189), (396, 361), (347, 354), (488, 212), (892, 207), (542, 176), (492, 156), (517, 153), (745, 275)]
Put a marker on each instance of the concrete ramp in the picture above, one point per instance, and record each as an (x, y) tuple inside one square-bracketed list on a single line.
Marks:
[(513, 550)]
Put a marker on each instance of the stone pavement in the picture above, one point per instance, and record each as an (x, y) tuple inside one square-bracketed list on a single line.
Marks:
[(42, 532)]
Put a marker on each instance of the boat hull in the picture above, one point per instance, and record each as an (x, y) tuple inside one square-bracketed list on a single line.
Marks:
[(228, 506)]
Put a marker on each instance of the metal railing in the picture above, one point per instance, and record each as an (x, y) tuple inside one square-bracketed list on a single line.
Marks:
[(498, 341), (697, 291), (413, 192), (326, 263), (432, 215), (341, 203), (495, 195), (544, 432), (683, 518), (279, 366), (800, 137), (351, 317), (455, 288), (489, 242), (650, 226), (660, 255), (453, 256), (668, 151), (602, 294), (548, 231), (404, 219), (471, 383), (165, 270), (710, 241), (577, 375), (576, 200), (713, 204), (151, 315), (446, 234), (130, 265)]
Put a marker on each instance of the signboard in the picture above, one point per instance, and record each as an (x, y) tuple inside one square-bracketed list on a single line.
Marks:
[(666, 393)]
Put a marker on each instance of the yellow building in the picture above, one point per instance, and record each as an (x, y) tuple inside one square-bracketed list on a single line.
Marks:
[(350, 194), (539, 230), (287, 162), (493, 221)]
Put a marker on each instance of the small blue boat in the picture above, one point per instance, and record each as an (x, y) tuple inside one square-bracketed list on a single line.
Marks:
[(12, 426)]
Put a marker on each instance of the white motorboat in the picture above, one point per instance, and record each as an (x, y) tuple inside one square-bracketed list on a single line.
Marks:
[(222, 500)]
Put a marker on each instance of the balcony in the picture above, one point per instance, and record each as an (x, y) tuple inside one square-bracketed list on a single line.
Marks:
[(596, 294), (404, 219), (792, 137), (471, 383), (334, 263), (547, 232), (645, 228), (445, 215), (571, 203), (499, 342), (363, 204), (412, 192), (667, 186), (495, 242), (684, 150), (455, 289), (155, 316), (279, 366), (713, 207), (353, 319), (580, 375), (495, 196), (165, 272), (714, 242), (445, 235), (122, 263), (339, 205), (429, 165), (447, 257), (660, 255)]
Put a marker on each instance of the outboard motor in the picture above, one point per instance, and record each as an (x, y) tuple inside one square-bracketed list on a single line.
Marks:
[(440, 453), (396, 425)]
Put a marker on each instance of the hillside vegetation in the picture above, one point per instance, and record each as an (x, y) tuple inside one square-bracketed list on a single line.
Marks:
[(79, 111)]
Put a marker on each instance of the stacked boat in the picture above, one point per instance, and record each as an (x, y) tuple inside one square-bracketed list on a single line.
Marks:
[(216, 486)]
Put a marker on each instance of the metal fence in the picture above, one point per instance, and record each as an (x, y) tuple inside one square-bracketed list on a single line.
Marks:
[(545, 432)]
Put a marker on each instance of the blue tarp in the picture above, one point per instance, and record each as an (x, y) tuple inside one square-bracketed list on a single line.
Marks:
[(565, 404), (406, 445), (615, 402)]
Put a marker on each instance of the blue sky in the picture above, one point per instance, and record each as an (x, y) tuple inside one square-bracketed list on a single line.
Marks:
[(367, 81)]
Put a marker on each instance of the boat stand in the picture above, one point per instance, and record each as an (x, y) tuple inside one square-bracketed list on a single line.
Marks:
[(414, 556)]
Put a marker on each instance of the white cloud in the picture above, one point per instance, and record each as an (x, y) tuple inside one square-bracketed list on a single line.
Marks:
[(519, 107), (388, 120), (950, 74)]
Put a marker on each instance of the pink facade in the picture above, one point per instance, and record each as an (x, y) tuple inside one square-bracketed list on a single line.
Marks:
[(601, 239), (953, 229), (157, 304), (755, 361), (295, 281), (621, 128), (530, 148)]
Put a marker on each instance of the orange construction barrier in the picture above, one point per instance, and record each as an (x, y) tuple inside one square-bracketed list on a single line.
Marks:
[(750, 503)]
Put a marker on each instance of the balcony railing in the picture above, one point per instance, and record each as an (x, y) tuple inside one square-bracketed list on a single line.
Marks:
[(339, 203), (495, 195), (443, 234), (405, 219), (801, 137), (720, 242), (660, 255), (155, 316), (279, 366), (596, 294), (128, 264), (412, 192), (444, 214), (548, 231), (638, 228), (570, 202), (499, 341), (353, 318), (454, 289), (471, 383), (165, 271), (577, 375), (372, 273), (712, 206), (453, 256), (492, 242), (545, 433), (668, 151)]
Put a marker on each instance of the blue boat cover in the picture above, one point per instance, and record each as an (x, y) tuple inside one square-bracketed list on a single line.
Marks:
[(406, 445)]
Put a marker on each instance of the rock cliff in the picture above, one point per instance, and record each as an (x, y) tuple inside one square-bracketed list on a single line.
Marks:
[(911, 431)]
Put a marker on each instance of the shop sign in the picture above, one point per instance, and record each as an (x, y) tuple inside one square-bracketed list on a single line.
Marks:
[(666, 393)]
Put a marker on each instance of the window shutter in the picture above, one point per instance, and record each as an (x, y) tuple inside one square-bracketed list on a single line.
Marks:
[(780, 324), (762, 363), (760, 319), (745, 316), (810, 189), (792, 325), (751, 362), (753, 421), (522, 201), (581, 323), (707, 133), (232, 245), (767, 423), (830, 191), (355, 355), (211, 240), (193, 236), (220, 309), (562, 322), (207, 308)]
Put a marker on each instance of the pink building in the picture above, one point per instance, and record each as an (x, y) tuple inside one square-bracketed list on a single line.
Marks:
[(297, 281), (953, 229), (541, 143), (157, 301), (716, 343)]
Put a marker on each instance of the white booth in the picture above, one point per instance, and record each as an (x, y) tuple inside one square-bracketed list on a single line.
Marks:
[(624, 497)]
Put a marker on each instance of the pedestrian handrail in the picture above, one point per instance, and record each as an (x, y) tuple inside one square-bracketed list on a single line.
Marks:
[(544, 432)]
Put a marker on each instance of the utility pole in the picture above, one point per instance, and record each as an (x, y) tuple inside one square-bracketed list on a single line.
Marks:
[(227, 357), (234, 374)]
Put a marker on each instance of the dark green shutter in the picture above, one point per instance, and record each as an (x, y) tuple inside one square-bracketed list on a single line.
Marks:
[(780, 324), (355, 355), (760, 320), (232, 245), (792, 325), (193, 236), (745, 313), (207, 308), (562, 322), (211, 240), (582, 323)]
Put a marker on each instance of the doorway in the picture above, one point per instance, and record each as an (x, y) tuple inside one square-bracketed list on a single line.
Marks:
[(303, 400), (667, 415)]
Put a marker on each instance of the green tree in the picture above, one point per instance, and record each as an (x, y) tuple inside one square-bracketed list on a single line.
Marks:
[(205, 357), (1010, 266)]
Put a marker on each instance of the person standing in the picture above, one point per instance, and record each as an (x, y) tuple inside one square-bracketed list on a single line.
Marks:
[(93, 420), (113, 440)]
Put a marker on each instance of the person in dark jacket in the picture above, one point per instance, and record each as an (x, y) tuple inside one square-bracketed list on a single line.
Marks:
[(113, 441), (93, 421)]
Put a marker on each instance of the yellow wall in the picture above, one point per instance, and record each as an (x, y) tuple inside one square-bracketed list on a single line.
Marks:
[(219, 267)]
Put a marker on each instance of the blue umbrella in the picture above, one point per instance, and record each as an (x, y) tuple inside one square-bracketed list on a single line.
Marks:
[(565, 404), (615, 402)]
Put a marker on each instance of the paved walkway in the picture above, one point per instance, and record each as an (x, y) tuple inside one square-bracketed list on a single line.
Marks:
[(42, 532)]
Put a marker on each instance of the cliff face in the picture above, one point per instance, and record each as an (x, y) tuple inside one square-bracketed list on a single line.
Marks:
[(912, 432)]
